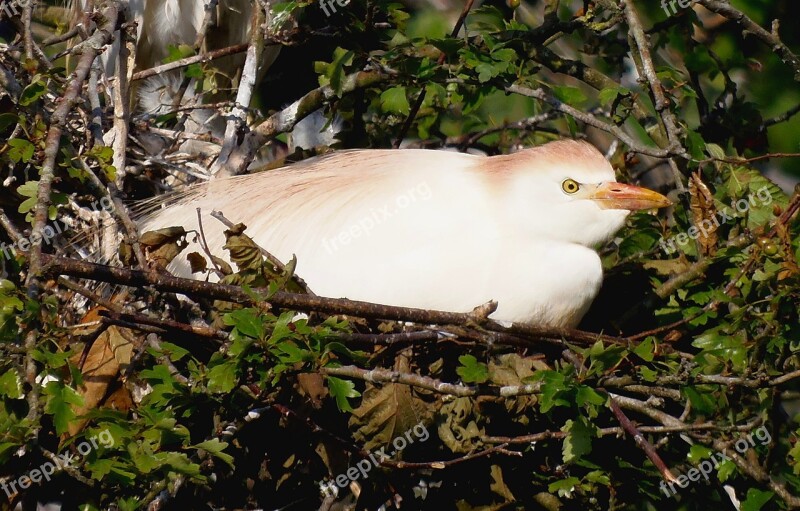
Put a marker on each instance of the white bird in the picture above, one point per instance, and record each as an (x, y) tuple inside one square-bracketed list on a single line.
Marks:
[(430, 229)]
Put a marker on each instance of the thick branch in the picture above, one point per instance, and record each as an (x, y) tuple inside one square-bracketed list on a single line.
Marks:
[(302, 302)]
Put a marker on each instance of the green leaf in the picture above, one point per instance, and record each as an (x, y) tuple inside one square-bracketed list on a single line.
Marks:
[(60, 401), (222, 377), (697, 453), (504, 55), (794, 453), (553, 385), (281, 330), (333, 74), (21, 150), (32, 92), (609, 94), (564, 487), (178, 52), (394, 100), (569, 95), (726, 469), (703, 402), (716, 151), (173, 351), (487, 19), (215, 447), (587, 395), (756, 499), (11, 384), (646, 349), (472, 371), (7, 120), (342, 390), (245, 321), (578, 441), (31, 189), (291, 354)]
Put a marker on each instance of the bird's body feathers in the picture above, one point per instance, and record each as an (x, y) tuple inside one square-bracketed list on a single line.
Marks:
[(429, 229)]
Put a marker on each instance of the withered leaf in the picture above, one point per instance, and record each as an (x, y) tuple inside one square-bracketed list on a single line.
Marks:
[(197, 262), (312, 385), (388, 412), (704, 213), (243, 250), (457, 427), (499, 486), (109, 355), (222, 264), (161, 236), (163, 245), (512, 369)]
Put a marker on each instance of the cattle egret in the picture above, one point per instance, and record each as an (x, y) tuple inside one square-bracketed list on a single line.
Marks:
[(430, 229)]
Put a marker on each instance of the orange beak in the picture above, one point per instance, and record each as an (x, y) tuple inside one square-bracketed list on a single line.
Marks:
[(613, 195)]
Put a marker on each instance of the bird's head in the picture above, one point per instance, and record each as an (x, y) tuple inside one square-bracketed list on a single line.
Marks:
[(567, 191)]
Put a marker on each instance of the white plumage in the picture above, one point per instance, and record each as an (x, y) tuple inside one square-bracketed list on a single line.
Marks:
[(431, 229)]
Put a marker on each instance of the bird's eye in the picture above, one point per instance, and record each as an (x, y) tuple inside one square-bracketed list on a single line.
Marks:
[(570, 186)]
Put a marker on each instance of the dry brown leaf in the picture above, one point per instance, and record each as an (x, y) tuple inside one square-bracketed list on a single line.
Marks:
[(498, 486), (108, 355), (510, 370), (674, 266), (704, 215), (163, 245), (457, 427), (388, 412), (312, 385)]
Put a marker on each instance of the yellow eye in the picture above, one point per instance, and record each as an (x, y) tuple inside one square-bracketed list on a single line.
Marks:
[(570, 186)]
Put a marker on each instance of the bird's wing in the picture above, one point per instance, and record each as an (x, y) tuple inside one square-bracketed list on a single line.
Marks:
[(330, 205)]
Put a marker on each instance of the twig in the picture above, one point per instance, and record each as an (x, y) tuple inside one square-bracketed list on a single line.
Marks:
[(771, 39), (237, 119), (304, 302), (89, 51), (121, 100), (752, 469), (782, 117), (412, 114), (165, 325), (424, 382), (286, 119), (657, 89), (589, 119), (194, 59), (640, 440), (601, 432)]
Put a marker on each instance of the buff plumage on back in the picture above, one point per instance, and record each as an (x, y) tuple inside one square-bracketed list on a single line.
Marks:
[(299, 208)]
